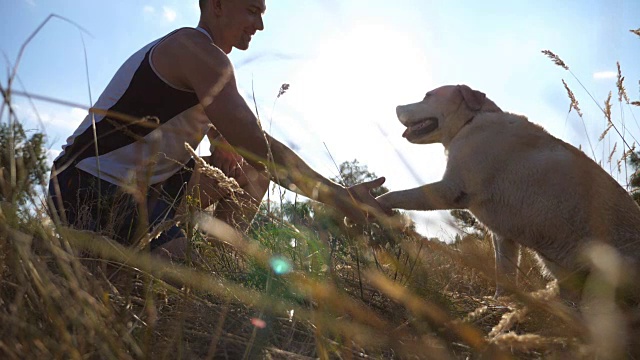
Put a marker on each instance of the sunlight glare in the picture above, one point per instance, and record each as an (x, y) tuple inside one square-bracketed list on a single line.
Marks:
[(360, 77)]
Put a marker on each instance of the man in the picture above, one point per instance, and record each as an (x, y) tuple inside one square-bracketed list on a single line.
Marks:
[(125, 169)]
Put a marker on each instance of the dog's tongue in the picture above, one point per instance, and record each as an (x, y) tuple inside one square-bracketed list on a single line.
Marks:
[(415, 127)]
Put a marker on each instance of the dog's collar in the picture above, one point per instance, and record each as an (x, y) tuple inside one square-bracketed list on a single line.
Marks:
[(469, 121)]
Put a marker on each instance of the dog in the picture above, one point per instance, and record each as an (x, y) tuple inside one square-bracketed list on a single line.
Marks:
[(528, 187)]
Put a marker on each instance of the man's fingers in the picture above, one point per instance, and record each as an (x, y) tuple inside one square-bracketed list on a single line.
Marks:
[(375, 183)]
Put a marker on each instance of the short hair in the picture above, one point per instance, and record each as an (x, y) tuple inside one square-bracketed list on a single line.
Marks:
[(202, 3)]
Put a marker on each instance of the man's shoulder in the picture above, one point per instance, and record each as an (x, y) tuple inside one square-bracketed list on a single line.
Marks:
[(187, 57), (190, 40)]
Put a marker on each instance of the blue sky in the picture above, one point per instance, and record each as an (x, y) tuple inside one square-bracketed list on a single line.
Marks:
[(350, 63)]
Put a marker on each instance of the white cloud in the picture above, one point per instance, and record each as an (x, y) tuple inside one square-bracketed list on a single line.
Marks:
[(30, 2), (52, 154), (605, 75), (169, 14), (165, 14), (69, 119), (56, 119), (148, 13)]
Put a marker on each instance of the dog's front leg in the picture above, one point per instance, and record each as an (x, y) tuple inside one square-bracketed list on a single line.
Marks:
[(507, 256), (436, 196)]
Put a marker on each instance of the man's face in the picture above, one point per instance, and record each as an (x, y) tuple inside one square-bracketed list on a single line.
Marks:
[(241, 19)]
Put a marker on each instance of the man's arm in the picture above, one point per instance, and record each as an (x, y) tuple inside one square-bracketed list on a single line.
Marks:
[(199, 65)]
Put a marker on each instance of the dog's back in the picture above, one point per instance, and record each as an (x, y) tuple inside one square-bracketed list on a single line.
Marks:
[(542, 191)]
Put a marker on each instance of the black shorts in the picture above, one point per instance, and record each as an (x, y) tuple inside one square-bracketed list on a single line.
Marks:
[(90, 203)]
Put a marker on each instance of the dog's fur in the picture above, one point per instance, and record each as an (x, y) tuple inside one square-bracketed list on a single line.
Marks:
[(527, 186)]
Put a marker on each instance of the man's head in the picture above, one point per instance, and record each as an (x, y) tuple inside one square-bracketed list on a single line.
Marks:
[(232, 23)]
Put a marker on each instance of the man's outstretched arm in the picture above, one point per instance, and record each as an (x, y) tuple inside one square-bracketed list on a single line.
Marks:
[(290, 171), (199, 65)]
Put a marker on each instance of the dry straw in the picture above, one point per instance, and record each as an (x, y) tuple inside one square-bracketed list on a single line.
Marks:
[(627, 154), (574, 102), (622, 92), (224, 182), (556, 59), (528, 342), (607, 115), (519, 315), (615, 147)]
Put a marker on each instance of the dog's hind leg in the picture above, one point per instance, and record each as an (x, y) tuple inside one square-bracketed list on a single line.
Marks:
[(507, 257)]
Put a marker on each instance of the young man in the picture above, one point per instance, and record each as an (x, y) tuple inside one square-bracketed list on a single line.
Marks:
[(130, 150)]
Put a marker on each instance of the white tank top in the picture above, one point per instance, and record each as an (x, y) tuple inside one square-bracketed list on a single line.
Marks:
[(147, 145)]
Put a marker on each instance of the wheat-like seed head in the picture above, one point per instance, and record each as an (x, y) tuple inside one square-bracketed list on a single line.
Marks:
[(508, 320), (476, 314), (615, 147), (528, 342), (607, 108), (622, 92), (556, 59), (551, 291), (283, 89), (574, 103), (604, 133), (224, 182), (625, 156), (607, 115), (637, 31)]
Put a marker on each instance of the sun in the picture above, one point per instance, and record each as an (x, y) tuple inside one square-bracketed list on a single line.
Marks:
[(348, 91), (362, 73)]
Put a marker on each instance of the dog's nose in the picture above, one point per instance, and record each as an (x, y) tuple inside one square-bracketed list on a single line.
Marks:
[(401, 113)]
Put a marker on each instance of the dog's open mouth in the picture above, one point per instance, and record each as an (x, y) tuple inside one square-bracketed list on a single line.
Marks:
[(420, 128)]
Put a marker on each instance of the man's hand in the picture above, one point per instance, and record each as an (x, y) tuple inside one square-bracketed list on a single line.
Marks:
[(358, 204), (228, 161)]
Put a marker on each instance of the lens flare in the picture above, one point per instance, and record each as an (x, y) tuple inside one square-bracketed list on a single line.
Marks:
[(280, 265)]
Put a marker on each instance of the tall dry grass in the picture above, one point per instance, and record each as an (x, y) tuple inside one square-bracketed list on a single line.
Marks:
[(72, 294)]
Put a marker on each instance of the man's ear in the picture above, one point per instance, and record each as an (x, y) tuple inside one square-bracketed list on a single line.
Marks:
[(217, 7), (474, 99)]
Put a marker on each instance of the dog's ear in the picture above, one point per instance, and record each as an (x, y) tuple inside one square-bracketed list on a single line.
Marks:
[(473, 98)]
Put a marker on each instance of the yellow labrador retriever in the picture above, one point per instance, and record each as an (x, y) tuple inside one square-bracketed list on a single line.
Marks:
[(527, 186)]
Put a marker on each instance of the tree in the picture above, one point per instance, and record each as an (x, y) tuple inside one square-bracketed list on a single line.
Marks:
[(352, 173), (634, 178), (23, 163)]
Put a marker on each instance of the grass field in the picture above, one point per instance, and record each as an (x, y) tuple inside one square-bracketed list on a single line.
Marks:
[(286, 290)]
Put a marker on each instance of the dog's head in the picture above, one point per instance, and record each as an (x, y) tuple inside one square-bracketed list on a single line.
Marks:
[(442, 113)]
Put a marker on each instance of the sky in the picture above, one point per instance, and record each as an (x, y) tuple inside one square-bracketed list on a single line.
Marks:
[(349, 63)]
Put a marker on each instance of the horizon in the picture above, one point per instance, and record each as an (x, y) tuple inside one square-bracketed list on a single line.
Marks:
[(349, 65)]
